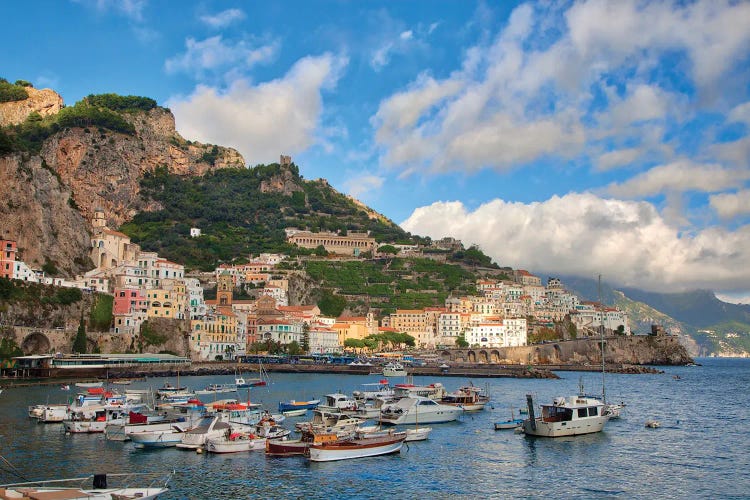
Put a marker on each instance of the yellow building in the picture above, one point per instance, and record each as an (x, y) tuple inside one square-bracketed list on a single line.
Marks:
[(163, 304), (214, 335), (351, 244)]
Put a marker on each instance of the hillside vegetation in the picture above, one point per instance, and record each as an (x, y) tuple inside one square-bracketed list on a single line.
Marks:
[(237, 218), (387, 285)]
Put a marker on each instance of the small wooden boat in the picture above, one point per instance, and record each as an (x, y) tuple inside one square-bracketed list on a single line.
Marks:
[(355, 448), (508, 424), (417, 434), (298, 405), (89, 384), (295, 413), (235, 442), (289, 447)]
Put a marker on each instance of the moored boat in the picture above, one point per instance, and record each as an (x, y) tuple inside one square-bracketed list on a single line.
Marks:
[(355, 448), (394, 369), (570, 416), (294, 413), (418, 409), (285, 406), (74, 488), (158, 438), (235, 442)]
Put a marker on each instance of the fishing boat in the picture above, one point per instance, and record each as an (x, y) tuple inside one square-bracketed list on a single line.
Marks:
[(570, 416), (99, 489), (355, 448), (407, 410), (211, 427), (513, 423), (330, 423), (244, 383), (285, 406), (470, 398), (217, 389), (372, 391), (289, 447), (294, 413), (394, 369), (158, 438), (235, 442)]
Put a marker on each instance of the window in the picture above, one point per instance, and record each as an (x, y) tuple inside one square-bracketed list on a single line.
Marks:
[(594, 411), (582, 412)]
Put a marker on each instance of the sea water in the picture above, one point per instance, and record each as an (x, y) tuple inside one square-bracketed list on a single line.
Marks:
[(700, 450)]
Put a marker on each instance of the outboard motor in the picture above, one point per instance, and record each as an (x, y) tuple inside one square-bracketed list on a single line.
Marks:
[(532, 417), (100, 481)]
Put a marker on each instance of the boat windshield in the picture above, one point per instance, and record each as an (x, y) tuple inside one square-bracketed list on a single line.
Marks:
[(556, 414)]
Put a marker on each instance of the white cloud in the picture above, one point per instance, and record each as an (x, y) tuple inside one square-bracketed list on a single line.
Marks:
[(261, 120), (392, 43), (681, 175), (132, 9), (740, 113), (617, 158), (582, 234), (729, 205), (224, 18), (213, 54), (594, 82), (364, 185)]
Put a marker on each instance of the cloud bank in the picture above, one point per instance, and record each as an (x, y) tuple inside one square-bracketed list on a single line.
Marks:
[(583, 234)]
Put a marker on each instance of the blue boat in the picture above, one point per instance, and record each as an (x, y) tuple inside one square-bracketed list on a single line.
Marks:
[(508, 424), (298, 405)]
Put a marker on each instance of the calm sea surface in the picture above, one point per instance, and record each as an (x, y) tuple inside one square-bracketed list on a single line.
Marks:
[(701, 450)]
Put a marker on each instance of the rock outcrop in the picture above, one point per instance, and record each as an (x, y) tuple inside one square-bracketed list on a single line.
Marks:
[(45, 102), (52, 195)]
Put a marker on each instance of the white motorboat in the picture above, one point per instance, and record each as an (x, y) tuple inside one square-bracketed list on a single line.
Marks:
[(211, 427), (355, 448), (570, 416), (336, 402), (235, 442), (94, 419), (294, 413), (394, 369), (77, 488), (418, 409), (418, 434), (88, 385), (161, 438), (372, 391), (324, 422), (434, 391), (470, 398), (217, 389)]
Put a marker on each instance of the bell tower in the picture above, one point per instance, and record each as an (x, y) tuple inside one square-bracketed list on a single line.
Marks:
[(224, 290)]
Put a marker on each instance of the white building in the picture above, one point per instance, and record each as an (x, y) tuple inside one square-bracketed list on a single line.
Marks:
[(278, 294), (505, 333), (323, 340), (195, 232), (196, 302)]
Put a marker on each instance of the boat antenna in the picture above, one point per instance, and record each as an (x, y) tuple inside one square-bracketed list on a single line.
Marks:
[(601, 335)]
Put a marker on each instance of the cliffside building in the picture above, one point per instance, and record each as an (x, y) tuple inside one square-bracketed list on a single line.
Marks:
[(352, 244)]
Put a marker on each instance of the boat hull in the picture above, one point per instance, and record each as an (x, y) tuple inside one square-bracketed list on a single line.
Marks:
[(508, 424), (561, 429), (360, 448), (239, 445), (438, 417), (156, 439)]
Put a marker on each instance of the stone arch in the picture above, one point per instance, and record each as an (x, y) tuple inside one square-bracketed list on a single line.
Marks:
[(471, 356), (494, 356), (36, 343), (445, 355), (483, 357)]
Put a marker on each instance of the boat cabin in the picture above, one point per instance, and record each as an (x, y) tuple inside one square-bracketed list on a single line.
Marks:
[(562, 410)]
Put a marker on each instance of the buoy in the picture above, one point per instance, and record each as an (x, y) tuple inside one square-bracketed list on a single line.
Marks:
[(199, 450)]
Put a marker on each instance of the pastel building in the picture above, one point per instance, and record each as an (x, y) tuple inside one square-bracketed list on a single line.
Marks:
[(8, 253)]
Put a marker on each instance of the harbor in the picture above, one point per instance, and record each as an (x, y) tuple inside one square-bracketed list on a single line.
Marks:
[(596, 464)]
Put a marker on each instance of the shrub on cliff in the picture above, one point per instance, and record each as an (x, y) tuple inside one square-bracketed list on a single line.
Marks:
[(125, 103), (101, 313), (12, 92)]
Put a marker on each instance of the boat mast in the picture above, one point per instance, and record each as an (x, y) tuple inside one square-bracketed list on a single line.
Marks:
[(601, 335)]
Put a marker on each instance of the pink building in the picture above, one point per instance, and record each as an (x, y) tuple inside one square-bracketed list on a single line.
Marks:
[(129, 300), (8, 251)]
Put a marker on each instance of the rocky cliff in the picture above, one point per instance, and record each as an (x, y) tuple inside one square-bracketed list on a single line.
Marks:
[(45, 102), (52, 194)]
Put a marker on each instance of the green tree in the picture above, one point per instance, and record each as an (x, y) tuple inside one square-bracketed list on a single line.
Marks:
[(388, 249), (321, 251), (306, 337), (9, 349), (293, 348), (331, 305), (80, 342), (461, 342), (354, 344)]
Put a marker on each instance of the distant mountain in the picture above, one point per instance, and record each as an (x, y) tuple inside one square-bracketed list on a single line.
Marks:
[(712, 326)]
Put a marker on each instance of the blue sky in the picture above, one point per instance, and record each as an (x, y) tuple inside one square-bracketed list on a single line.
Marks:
[(583, 137)]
